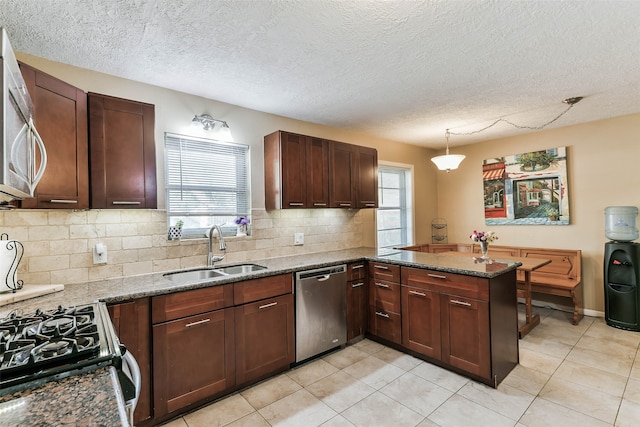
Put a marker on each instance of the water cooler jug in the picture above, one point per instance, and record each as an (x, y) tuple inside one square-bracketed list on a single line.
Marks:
[(622, 269)]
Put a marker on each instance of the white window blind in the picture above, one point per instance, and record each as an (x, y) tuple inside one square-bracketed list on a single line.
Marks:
[(393, 216), (207, 182)]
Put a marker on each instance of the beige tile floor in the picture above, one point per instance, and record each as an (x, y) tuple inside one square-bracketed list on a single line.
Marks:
[(584, 375)]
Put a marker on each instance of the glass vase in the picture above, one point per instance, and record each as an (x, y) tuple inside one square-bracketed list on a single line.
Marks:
[(484, 248)]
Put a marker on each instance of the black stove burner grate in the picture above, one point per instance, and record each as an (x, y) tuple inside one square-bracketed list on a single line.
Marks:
[(46, 343)]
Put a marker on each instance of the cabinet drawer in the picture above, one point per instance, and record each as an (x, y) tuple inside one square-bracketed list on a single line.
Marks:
[(255, 290), (356, 271), (384, 295), (189, 303), (468, 286), (388, 272), (385, 324)]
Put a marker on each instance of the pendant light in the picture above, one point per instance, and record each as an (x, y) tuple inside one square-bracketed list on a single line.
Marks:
[(448, 162)]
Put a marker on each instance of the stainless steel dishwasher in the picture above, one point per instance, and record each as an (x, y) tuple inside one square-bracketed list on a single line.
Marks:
[(321, 310)]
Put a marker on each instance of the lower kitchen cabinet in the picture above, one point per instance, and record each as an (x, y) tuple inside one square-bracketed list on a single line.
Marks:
[(131, 321), (421, 321), (384, 302), (264, 338), (464, 322), (356, 300), (465, 334), (193, 359)]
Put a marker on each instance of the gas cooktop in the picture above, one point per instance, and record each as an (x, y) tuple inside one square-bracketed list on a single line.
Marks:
[(51, 344)]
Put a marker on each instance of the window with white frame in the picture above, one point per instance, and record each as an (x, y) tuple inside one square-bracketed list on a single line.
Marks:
[(394, 214), (207, 183)]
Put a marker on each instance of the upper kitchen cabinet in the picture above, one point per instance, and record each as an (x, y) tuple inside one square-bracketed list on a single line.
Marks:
[(307, 172), (296, 171), (354, 176), (61, 118), (123, 160)]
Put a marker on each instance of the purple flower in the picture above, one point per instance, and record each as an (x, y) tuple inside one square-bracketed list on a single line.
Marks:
[(242, 220)]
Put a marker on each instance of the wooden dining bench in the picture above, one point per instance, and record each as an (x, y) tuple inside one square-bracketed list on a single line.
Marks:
[(561, 277)]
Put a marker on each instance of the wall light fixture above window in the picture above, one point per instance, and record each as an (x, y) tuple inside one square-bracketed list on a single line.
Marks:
[(222, 131)]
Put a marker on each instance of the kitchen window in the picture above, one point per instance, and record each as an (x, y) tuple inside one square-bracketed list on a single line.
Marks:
[(207, 183), (394, 214)]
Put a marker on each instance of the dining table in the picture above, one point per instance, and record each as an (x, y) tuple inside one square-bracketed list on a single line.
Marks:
[(527, 266)]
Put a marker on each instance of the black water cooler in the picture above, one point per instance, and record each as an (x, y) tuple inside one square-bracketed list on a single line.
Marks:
[(621, 294)]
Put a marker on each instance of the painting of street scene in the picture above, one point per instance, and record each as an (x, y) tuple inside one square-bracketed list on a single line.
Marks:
[(528, 188)]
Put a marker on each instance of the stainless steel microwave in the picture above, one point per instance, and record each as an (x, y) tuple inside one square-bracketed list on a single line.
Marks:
[(23, 157)]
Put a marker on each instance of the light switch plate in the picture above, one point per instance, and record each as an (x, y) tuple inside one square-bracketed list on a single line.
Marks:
[(298, 239)]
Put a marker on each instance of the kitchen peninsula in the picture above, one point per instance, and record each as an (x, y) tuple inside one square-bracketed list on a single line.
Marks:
[(457, 312)]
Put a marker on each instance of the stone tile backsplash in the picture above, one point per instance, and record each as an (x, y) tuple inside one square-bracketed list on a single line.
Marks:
[(58, 244)]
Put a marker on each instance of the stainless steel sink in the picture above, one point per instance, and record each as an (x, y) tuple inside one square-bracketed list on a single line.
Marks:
[(210, 273), (194, 275), (241, 268)]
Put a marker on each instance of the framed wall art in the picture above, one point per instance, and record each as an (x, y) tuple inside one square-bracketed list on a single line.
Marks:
[(528, 188)]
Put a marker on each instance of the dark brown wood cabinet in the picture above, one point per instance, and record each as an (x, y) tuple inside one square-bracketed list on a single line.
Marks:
[(296, 171), (421, 321), (384, 302), (264, 338), (61, 120), (265, 335), (122, 147), (343, 175), (132, 323), (367, 177), (465, 322), (194, 351), (357, 301), (308, 172)]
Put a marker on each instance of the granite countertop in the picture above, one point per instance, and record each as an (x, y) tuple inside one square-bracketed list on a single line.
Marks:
[(129, 288), (63, 402), (90, 399)]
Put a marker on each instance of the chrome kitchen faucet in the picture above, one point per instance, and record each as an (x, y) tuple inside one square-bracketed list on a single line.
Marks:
[(211, 259)]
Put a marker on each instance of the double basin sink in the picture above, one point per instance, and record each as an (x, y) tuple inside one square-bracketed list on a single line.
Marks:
[(212, 272)]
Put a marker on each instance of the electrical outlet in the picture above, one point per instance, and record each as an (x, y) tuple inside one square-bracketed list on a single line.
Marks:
[(100, 253), (298, 239)]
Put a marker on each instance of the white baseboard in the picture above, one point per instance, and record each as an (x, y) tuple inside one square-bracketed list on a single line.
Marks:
[(561, 307)]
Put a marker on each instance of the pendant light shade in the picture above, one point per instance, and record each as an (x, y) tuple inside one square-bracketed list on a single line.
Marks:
[(448, 162)]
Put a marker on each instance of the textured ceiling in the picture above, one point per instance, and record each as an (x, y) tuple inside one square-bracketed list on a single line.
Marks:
[(404, 70)]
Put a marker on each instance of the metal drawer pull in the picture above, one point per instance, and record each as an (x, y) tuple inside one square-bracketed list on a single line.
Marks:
[(420, 294), (369, 204), (62, 201), (319, 204), (345, 204), (437, 276), (296, 204), (199, 322), (268, 305), (385, 315), (455, 301), (381, 267), (357, 285), (382, 285), (357, 266), (124, 203)]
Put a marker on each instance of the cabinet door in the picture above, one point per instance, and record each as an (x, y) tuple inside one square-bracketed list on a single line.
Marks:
[(193, 359), (421, 321), (342, 167), (367, 175), (61, 120), (465, 334), (131, 323), (317, 173), (123, 159), (294, 170), (264, 338), (356, 308)]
